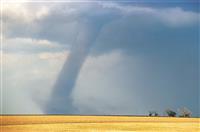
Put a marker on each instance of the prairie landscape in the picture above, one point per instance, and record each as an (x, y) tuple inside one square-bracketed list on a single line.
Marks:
[(60, 123)]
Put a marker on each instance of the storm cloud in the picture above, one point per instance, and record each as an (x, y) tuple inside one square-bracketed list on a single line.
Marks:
[(101, 58)]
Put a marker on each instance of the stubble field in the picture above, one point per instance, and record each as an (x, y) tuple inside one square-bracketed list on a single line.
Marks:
[(97, 124)]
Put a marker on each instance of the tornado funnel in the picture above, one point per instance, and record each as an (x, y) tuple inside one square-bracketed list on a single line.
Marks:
[(60, 101)]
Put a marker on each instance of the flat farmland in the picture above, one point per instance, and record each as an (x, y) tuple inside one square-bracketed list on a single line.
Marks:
[(51, 123)]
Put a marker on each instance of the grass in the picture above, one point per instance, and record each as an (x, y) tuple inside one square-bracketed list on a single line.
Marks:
[(97, 123)]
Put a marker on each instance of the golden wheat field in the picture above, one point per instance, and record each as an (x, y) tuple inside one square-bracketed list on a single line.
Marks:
[(97, 124)]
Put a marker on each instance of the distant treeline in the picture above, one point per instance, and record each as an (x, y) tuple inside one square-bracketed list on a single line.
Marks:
[(183, 112)]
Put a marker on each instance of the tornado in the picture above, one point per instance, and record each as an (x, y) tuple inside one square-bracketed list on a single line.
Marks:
[(60, 101)]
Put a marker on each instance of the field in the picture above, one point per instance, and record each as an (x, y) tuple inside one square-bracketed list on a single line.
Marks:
[(97, 124)]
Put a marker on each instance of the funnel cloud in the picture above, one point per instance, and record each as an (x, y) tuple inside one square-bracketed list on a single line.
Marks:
[(68, 75)]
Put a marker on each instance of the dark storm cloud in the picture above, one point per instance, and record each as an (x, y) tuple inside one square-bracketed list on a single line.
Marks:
[(165, 40)]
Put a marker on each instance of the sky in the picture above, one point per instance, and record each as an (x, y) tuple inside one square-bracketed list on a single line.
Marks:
[(98, 57)]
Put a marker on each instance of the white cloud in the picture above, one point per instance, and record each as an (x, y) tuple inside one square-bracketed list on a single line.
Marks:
[(57, 55), (173, 16), (102, 89), (62, 20), (28, 80), (29, 45), (178, 17), (23, 12)]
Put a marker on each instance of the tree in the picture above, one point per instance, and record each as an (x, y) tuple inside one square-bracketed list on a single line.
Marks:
[(170, 113), (153, 113), (184, 112), (150, 113)]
